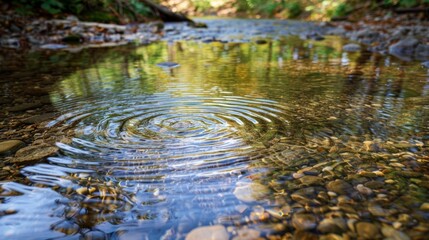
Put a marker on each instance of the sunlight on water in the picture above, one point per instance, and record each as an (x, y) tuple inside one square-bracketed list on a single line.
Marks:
[(221, 138)]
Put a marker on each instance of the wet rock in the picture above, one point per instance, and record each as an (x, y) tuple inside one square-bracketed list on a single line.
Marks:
[(10, 146), (340, 187), (425, 64), (304, 195), (367, 230), (216, 232), (425, 207), (377, 210), (351, 47), (66, 227), (95, 235), (247, 234), (34, 153), (250, 191), (332, 225), (304, 221), (302, 235), (374, 184), (364, 190), (24, 107), (404, 47), (311, 180), (393, 234), (422, 51)]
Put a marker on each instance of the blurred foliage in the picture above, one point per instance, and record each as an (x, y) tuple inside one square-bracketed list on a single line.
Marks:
[(119, 11), (307, 9), (125, 11)]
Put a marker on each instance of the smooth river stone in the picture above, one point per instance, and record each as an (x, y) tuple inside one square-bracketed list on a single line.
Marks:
[(340, 187), (216, 232), (34, 153), (247, 234), (303, 221), (367, 230), (332, 225), (250, 191), (311, 180), (10, 146), (393, 234)]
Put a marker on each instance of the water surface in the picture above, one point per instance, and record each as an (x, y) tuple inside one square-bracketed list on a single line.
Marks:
[(222, 138)]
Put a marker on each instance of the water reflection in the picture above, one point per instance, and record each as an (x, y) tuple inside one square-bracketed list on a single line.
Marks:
[(156, 153)]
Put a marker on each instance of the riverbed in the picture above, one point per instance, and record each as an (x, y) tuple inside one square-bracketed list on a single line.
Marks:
[(239, 133)]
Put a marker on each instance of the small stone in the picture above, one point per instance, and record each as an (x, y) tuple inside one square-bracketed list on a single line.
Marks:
[(247, 234), (364, 190), (34, 153), (303, 221), (332, 194), (351, 47), (298, 175), (304, 195), (10, 146), (377, 210), (393, 234), (404, 47), (340, 186), (216, 232), (250, 191), (95, 235), (302, 235), (397, 225), (367, 230), (425, 207), (367, 174), (398, 165), (66, 227), (311, 180), (332, 225), (374, 184), (422, 51), (389, 181)]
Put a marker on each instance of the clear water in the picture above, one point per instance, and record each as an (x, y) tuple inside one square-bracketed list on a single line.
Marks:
[(156, 152)]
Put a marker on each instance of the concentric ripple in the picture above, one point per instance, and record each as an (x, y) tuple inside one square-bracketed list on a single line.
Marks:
[(180, 136), (155, 159)]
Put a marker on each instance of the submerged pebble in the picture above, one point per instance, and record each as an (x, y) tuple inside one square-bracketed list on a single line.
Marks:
[(216, 232), (10, 146)]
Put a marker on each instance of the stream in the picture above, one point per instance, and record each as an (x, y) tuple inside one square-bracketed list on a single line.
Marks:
[(231, 137)]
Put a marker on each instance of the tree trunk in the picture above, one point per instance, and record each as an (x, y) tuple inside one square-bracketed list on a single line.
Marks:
[(166, 14)]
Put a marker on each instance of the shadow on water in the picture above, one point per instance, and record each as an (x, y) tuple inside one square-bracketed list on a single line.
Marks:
[(240, 135)]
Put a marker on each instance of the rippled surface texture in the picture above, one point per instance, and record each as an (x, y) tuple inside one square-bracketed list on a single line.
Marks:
[(223, 138)]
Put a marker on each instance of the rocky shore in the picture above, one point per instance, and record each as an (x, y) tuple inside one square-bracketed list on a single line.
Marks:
[(72, 34), (405, 39)]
